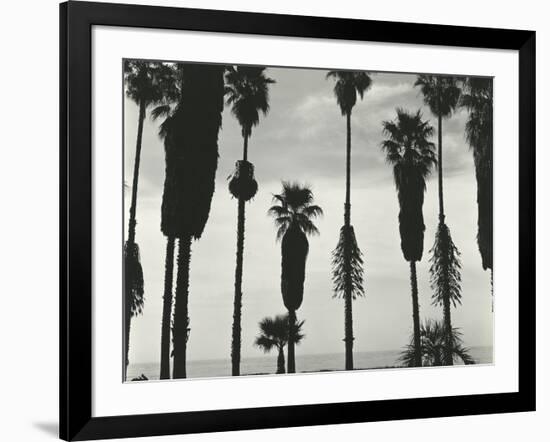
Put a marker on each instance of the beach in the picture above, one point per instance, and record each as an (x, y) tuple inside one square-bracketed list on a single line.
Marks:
[(266, 364)]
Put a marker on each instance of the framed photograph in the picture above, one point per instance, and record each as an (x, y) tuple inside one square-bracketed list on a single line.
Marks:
[(272, 220)]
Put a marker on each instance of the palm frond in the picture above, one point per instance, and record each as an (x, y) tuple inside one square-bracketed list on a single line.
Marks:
[(445, 278), (347, 244), (133, 278)]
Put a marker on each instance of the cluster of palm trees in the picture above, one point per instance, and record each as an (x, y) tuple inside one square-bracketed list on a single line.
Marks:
[(190, 98)]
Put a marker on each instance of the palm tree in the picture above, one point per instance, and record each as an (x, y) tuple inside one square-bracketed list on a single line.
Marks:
[(191, 146), (248, 95), (478, 100), (434, 346), (167, 111), (441, 95), (412, 156), (274, 334), (147, 83), (293, 212), (347, 261)]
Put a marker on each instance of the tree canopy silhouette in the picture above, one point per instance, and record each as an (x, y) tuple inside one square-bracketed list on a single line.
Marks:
[(294, 213), (411, 154), (433, 346), (478, 100), (274, 334)]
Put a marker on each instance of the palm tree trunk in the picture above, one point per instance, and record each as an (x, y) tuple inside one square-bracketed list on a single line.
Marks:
[(167, 310), (132, 224), (291, 342), (347, 206), (416, 316), (237, 299), (348, 318), (181, 314), (132, 220), (281, 361), (127, 323), (440, 166)]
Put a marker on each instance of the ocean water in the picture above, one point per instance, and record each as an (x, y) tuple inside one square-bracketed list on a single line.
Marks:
[(304, 363)]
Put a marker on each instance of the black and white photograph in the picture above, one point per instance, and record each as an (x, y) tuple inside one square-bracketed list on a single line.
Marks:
[(282, 220)]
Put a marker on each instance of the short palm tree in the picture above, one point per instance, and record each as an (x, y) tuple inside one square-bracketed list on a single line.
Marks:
[(347, 258), (441, 95), (409, 151), (478, 100), (434, 347), (247, 91), (293, 213), (274, 334), (191, 147), (147, 84)]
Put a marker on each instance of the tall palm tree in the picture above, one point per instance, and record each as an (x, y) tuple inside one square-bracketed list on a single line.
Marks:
[(147, 84), (441, 95), (293, 212), (434, 346), (478, 100), (347, 258), (191, 146), (274, 334), (167, 111), (409, 151), (247, 90)]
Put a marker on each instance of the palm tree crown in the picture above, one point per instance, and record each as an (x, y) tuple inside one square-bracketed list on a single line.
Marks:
[(433, 343), (478, 100), (295, 208), (441, 94), (274, 333), (149, 82), (348, 85), (247, 91), (412, 156)]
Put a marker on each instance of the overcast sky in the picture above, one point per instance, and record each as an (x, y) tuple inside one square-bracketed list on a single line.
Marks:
[(303, 138)]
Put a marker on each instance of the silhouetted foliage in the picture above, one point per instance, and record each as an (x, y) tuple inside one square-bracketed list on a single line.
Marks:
[(274, 334), (339, 271), (191, 146), (478, 100), (412, 156), (242, 183), (133, 279), (141, 377), (348, 85), (191, 149), (433, 344), (293, 218), (445, 268), (247, 91), (441, 93)]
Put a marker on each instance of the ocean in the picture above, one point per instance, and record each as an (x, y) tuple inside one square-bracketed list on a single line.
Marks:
[(304, 363)]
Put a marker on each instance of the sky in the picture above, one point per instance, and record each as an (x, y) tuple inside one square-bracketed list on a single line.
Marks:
[(303, 139)]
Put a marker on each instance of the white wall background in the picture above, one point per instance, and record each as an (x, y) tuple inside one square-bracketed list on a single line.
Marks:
[(29, 218)]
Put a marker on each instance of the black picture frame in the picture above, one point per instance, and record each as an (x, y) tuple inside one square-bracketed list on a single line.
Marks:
[(76, 21)]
